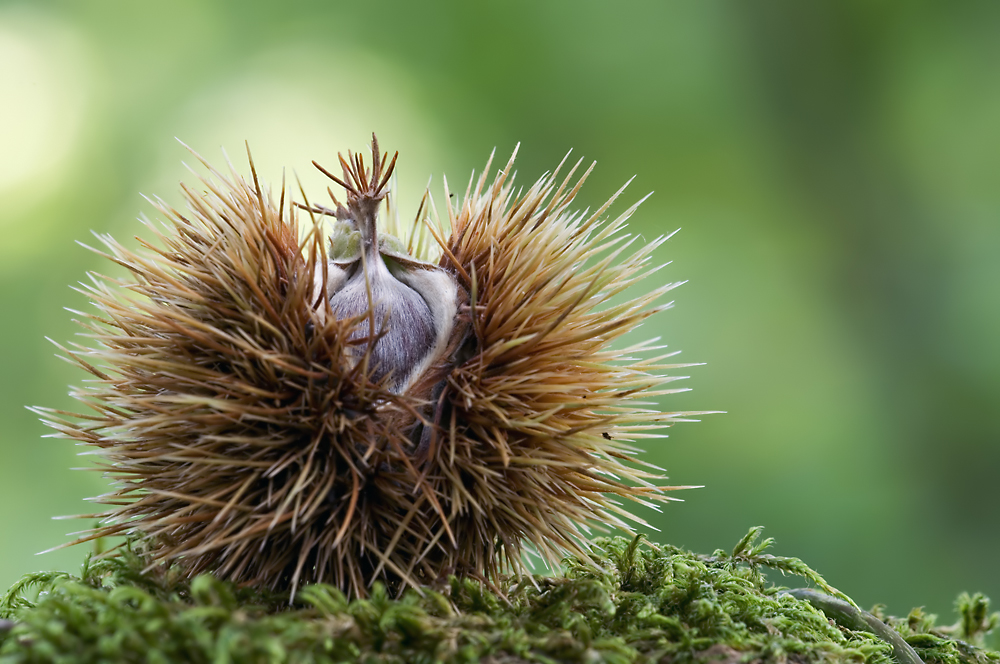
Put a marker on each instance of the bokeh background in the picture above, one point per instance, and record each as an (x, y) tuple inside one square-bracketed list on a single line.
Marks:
[(832, 166)]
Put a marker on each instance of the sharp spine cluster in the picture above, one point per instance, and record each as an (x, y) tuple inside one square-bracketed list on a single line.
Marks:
[(279, 406)]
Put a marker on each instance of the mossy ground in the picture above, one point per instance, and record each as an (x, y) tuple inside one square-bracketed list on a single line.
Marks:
[(648, 603)]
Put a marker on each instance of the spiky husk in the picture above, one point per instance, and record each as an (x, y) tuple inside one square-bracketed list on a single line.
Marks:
[(244, 441)]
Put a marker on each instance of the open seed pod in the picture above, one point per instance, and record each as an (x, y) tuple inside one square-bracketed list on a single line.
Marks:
[(280, 404)]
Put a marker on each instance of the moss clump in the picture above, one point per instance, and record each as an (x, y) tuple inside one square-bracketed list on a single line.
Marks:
[(646, 603)]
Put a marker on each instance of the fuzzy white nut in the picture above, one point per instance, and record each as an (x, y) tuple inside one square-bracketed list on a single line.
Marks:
[(410, 305)]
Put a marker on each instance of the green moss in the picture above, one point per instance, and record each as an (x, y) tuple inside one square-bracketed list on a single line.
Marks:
[(646, 603)]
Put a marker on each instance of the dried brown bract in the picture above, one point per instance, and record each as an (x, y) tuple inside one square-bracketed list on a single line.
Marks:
[(280, 404)]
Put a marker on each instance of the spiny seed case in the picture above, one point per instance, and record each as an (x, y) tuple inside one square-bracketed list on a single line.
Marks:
[(280, 403)]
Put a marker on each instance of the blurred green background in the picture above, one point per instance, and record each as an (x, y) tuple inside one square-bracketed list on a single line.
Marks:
[(833, 167)]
